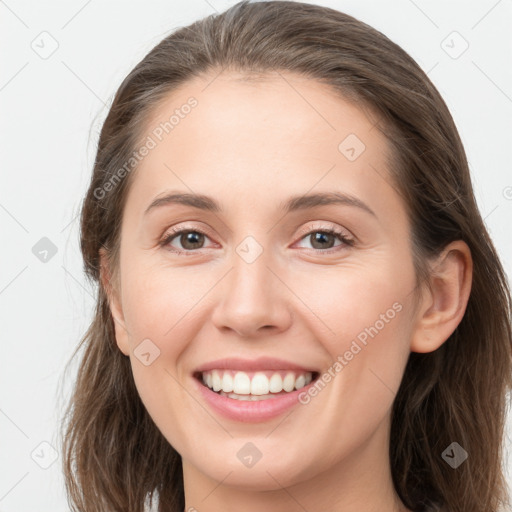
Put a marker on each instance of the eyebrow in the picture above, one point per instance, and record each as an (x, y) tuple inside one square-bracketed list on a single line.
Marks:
[(293, 204)]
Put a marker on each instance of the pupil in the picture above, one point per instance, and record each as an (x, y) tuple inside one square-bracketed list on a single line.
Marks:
[(193, 238), (320, 238)]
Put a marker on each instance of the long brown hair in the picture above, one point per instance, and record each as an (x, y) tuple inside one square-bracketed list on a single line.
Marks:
[(115, 458)]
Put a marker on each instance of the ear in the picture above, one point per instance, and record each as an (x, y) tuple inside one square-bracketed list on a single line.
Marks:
[(444, 304), (114, 302)]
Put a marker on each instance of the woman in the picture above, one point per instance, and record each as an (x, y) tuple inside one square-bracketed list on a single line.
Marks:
[(299, 306)]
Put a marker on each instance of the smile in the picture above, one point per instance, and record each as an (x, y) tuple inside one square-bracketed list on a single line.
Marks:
[(254, 386), (254, 390)]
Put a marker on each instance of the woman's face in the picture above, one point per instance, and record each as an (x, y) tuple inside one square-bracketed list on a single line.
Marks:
[(259, 276)]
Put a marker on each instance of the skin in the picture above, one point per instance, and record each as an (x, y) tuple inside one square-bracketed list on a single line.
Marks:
[(251, 146)]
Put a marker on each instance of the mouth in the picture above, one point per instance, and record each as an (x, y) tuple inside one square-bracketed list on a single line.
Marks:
[(255, 385)]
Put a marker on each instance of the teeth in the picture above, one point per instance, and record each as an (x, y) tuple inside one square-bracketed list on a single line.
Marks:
[(300, 381), (247, 398), (276, 383), (250, 385), (289, 382), (216, 381), (241, 384), (227, 382), (259, 384)]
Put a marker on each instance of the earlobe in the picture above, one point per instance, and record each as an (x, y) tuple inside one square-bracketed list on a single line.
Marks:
[(115, 305), (445, 302)]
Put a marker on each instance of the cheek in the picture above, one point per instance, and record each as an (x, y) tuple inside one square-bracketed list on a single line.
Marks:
[(359, 387), (360, 302), (161, 311), (367, 313), (161, 304), (159, 314)]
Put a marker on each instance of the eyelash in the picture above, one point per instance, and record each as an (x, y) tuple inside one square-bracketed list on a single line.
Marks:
[(175, 232)]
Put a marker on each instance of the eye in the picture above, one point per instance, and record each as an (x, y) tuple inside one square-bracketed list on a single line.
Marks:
[(322, 238), (190, 240)]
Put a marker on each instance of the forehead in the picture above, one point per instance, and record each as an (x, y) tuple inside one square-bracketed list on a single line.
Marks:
[(255, 103), (266, 136)]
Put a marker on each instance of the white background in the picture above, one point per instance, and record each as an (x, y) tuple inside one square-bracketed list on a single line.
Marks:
[(52, 110)]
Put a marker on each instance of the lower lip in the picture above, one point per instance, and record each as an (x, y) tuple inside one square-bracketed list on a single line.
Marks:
[(249, 411)]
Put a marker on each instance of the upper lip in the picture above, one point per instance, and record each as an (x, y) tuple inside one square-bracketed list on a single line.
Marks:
[(262, 363)]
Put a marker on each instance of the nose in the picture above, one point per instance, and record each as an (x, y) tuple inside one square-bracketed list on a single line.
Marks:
[(252, 300)]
